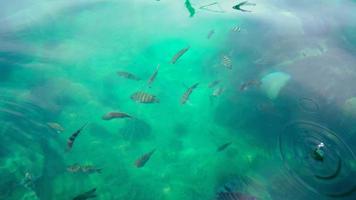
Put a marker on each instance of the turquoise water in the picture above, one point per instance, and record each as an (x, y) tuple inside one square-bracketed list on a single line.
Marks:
[(278, 123)]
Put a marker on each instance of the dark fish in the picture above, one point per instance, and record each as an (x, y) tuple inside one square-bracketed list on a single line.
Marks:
[(211, 33), (86, 195), (143, 97), (226, 61), (153, 76), (234, 196), (179, 54), (214, 83), (143, 159), (114, 115), (187, 93), (223, 147), (250, 83), (87, 169), (72, 138), (244, 3), (190, 8), (128, 75)]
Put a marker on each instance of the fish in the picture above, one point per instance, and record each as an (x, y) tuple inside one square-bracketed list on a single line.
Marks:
[(217, 91), (234, 196), (223, 146), (179, 54), (115, 115), (211, 33), (143, 97), (244, 86), (128, 75), (86, 195), (217, 8), (244, 3), (144, 158), (153, 76), (236, 29), (72, 138), (190, 8), (87, 169), (226, 61), (55, 126), (214, 83), (187, 93)]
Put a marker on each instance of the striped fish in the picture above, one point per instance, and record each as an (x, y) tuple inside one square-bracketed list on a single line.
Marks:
[(234, 196), (226, 61), (143, 97), (236, 29), (72, 138), (179, 54), (153, 76), (187, 93)]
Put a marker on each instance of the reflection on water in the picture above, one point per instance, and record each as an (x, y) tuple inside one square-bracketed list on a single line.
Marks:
[(240, 100)]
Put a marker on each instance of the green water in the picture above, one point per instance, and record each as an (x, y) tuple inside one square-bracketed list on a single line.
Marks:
[(59, 64)]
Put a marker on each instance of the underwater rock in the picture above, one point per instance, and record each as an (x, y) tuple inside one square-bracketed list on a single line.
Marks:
[(52, 95), (135, 130), (273, 83)]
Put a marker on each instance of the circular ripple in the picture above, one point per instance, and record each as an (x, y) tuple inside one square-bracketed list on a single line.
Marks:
[(333, 175), (308, 105)]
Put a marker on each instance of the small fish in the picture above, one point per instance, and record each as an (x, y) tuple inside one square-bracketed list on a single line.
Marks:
[(74, 168), (234, 196), (143, 159), (55, 126), (128, 75), (226, 61), (87, 169), (179, 54), (153, 76), (244, 3), (187, 93), (115, 115), (249, 84), (211, 33), (143, 97), (214, 83), (217, 91), (223, 146), (86, 195), (72, 138)]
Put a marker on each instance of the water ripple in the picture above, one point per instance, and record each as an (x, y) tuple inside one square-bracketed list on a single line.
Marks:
[(327, 169)]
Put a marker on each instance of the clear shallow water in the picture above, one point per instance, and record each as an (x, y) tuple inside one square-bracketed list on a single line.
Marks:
[(59, 62)]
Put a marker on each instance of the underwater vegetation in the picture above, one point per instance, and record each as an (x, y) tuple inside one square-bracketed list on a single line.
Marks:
[(178, 100)]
